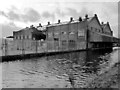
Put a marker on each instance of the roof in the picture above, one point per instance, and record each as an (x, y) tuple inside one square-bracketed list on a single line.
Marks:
[(103, 25), (25, 29), (67, 22)]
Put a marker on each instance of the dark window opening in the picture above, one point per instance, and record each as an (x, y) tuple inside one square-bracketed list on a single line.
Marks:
[(56, 39)]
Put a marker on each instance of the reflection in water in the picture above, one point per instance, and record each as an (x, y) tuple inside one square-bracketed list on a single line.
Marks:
[(74, 69)]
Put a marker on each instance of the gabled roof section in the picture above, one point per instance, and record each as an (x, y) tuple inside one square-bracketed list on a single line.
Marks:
[(109, 26), (103, 25), (92, 18), (31, 29), (106, 25)]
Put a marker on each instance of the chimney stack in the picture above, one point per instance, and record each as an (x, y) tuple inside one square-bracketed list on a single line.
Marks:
[(86, 16), (26, 27), (71, 19), (102, 23), (48, 23), (40, 25), (95, 15), (80, 19), (58, 21), (31, 26)]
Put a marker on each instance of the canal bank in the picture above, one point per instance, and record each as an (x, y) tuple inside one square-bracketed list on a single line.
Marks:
[(108, 79)]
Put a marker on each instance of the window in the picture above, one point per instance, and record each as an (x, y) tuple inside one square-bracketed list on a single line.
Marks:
[(71, 32), (64, 42), (23, 37), (19, 37), (49, 34), (56, 33), (99, 30), (33, 38), (63, 32), (56, 39), (96, 30), (91, 28), (28, 37), (80, 33), (72, 42), (15, 37)]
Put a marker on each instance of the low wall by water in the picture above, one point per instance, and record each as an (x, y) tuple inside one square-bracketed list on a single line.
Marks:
[(49, 53), (9, 50), (33, 55)]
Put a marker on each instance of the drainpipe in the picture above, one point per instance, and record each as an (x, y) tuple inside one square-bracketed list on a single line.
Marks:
[(6, 47), (87, 36), (36, 46)]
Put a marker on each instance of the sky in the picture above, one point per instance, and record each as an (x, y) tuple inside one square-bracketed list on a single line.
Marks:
[(18, 14)]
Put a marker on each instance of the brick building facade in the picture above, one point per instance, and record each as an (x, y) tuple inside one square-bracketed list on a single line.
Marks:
[(28, 38), (77, 34)]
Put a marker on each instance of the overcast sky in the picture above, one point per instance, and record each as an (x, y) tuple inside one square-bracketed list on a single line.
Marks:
[(18, 14)]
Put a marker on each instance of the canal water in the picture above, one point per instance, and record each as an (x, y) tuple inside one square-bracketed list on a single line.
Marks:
[(76, 69)]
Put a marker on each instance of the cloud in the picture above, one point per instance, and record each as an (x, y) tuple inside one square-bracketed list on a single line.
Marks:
[(66, 12), (46, 14), (13, 16), (2, 13), (74, 13), (29, 15), (8, 28), (61, 12)]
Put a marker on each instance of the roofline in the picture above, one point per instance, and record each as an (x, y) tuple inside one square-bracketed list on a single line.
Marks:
[(96, 19)]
